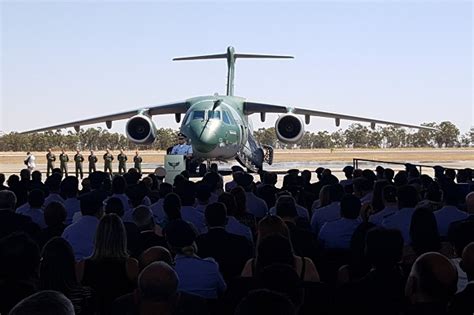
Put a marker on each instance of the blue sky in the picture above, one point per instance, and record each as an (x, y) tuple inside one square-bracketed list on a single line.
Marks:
[(409, 61)]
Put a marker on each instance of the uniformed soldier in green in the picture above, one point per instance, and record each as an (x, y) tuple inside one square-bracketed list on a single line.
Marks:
[(63, 159), (138, 162), (78, 158), (50, 158), (92, 160), (108, 158), (122, 158)]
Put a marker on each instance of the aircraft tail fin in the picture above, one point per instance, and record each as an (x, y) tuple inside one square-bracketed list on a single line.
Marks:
[(231, 56)]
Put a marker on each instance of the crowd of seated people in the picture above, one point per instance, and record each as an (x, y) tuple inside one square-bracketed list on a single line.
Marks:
[(377, 242)]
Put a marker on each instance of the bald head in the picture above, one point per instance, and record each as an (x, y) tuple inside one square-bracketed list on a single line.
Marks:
[(158, 282), (432, 278), (467, 262), (155, 254), (470, 202)]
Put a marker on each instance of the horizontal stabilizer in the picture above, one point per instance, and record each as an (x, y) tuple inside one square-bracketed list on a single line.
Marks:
[(262, 56), (218, 56)]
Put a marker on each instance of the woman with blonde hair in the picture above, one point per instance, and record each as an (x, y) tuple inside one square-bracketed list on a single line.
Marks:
[(110, 271), (274, 247)]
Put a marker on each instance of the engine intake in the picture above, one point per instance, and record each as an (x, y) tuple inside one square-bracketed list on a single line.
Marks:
[(140, 129), (289, 128)]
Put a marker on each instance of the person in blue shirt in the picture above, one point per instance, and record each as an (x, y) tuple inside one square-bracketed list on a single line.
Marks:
[(337, 234), (196, 275), (81, 234), (182, 147)]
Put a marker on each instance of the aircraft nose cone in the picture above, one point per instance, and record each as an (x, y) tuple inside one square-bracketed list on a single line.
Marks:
[(203, 138)]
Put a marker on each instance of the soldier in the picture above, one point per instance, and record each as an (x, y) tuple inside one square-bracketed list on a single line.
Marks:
[(50, 159), (138, 162), (63, 159), (122, 158), (92, 160), (78, 158), (108, 158)]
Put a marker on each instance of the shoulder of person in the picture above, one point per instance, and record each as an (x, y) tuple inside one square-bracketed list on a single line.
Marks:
[(388, 215)]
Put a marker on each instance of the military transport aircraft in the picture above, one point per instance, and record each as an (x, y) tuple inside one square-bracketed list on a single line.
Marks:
[(218, 126)]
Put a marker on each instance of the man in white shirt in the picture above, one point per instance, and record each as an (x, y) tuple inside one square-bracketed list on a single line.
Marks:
[(30, 161)]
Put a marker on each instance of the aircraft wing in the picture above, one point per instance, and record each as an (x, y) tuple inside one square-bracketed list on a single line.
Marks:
[(173, 108), (251, 108)]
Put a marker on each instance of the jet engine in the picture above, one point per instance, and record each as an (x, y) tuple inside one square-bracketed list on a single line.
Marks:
[(289, 128), (140, 129)]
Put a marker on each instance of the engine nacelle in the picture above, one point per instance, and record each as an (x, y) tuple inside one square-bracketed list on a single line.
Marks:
[(140, 129), (289, 128)]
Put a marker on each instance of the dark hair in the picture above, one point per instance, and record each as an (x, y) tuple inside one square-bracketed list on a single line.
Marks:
[(143, 218), (377, 200), (240, 199), (400, 179), (216, 214), (2, 178), (212, 180), (407, 197), (36, 198), (273, 249), (165, 188), (284, 279), (389, 194), (70, 186), (350, 207), (55, 214), (424, 231), (35, 176), (461, 235), (286, 207), (172, 206), (337, 192), (265, 302), (203, 192), (19, 257), (384, 247), (114, 205), (433, 192), (119, 184), (90, 204), (57, 268), (229, 201), (187, 192)]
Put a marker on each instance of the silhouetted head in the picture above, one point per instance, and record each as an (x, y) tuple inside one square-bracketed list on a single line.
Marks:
[(433, 278), (216, 215), (44, 302), (155, 254), (265, 302)]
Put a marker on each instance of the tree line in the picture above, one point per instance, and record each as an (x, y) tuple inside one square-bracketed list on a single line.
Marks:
[(355, 136)]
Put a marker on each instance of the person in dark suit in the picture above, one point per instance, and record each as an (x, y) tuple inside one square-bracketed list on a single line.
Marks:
[(231, 251), (12, 222), (462, 303)]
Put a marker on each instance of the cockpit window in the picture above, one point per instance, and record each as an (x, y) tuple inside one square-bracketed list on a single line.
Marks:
[(226, 118), (214, 114), (198, 114)]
